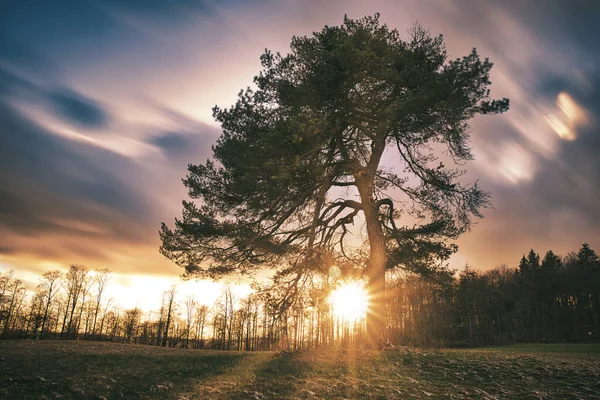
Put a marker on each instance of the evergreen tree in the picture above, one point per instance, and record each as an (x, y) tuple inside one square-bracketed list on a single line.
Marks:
[(322, 117)]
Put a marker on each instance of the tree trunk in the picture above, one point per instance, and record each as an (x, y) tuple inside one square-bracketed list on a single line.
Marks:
[(66, 316), (166, 335), (44, 319), (376, 264), (95, 319)]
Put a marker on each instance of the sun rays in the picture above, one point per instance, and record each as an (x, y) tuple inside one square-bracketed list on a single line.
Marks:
[(350, 301)]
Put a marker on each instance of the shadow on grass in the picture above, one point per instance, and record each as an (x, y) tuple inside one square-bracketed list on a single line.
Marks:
[(142, 372), (277, 378)]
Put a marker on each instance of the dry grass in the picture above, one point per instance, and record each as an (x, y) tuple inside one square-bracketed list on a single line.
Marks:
[(73, 370)]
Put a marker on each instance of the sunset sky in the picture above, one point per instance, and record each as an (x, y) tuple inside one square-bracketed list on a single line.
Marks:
[(104, 103)]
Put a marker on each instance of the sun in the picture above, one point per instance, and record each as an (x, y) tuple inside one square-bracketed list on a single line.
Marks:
[(350, 301)]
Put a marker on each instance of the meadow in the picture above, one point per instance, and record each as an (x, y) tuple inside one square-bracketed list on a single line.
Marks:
[(96, 370)]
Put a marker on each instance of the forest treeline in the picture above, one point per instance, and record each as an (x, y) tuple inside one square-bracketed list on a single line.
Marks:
[(554, 299), (547, 298)]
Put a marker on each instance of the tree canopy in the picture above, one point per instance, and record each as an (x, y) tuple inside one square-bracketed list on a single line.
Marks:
[(299, 160)]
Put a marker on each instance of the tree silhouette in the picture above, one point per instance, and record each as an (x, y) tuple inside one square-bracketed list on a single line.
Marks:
[(49, 286), (473, 308), (170, 307), (100, 280), (321, 118)]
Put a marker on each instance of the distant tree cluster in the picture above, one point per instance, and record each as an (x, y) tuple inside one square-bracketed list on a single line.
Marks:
[(543, 299), (63, 305)]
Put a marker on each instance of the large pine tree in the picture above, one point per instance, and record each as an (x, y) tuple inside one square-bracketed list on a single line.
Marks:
[(322, 117)]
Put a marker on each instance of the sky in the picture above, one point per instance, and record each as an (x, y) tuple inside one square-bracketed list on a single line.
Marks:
[(104, 103)]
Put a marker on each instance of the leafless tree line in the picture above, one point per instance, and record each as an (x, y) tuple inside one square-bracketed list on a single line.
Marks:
[(73, 306), (549, 299)]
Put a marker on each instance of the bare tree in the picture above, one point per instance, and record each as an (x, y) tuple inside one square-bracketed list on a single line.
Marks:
[(85, 289), (106, 309), (170, 308), (131, 322), (75, 286), (190, 310), (49, 285), (6, 279), (14, 291), (100, 280), (200, 322)]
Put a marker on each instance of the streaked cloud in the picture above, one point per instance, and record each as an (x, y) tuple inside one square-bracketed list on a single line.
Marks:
[(104, 103), (78, 108)]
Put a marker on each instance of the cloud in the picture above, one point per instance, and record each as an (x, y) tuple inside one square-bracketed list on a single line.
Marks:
[(185, 147), (544, 187), (46, 178), (61, 198), (182, 140), (78, 109), (88, 197), (69, 202), (66, 199), (6, 250)]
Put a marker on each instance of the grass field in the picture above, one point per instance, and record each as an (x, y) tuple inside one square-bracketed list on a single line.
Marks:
[(73, 370)]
